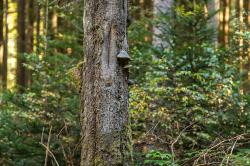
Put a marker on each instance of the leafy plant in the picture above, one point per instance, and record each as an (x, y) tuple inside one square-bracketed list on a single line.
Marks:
[(158, 158)]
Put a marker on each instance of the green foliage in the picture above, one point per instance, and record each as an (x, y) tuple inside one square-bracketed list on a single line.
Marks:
[(188, 93), (241, 157), (158, 158), (19, 135), (51, 100)]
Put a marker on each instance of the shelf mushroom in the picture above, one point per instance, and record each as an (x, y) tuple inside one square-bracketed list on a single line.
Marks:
[(123, 56)]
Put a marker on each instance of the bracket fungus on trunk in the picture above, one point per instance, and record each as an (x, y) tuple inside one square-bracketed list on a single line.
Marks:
[(123, 56)]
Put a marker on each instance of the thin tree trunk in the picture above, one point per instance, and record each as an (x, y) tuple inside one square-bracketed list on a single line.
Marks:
[(30, 35), (1, 38), (148, 7), (54, 28), (240, 6), (5, 48), (244, 15), (224, 24), (248, 44), (38, 20), (21, 46), (104, 89), (54, 23), (46, 26)]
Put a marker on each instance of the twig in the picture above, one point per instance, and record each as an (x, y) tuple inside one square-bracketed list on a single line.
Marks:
[(232, 149), (47, 147), (152, 129), (216, 145), (64, 153), (60, 131), (53, 156), (177, 138)]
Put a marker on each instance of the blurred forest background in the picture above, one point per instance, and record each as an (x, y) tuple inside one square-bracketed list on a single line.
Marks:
[(190, 76)]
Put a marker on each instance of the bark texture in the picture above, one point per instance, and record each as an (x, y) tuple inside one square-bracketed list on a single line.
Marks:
[(224, 22), (5, 46), (30, 36), (21, 45), (38, 20), (104, 88), (1, 38)]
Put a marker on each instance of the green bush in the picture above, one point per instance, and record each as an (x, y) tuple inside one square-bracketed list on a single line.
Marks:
[(190, 93), (158, 158)]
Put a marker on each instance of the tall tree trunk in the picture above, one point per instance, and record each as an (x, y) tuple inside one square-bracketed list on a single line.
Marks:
[(148, 7), (224, 22), (104, 89), (213, 8), (38, 21), (1, 38), (54, 23), (21, 46), (165, 7), (5, 47), (244, 43), (248, 44), (30, 35), (240, 6), (54, 29)]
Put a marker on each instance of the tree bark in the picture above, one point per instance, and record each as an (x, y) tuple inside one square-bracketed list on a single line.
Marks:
[(224, 22), (54, 29), (148, 7), (5, 47), (30, 36), (1, 38), (38, 20), (213, 8), (104, 89), (165, 7), (54, 23), (248, 44), (21, 48)]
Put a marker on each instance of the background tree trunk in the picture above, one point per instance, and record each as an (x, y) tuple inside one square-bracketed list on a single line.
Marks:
[(5, 47), (38, 20), (165, 7), (224, 22), (54, 23), (248, 44), (104, 89), (21, 46), (148, 9), (213, 8), (30, 35), (1, 38)]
